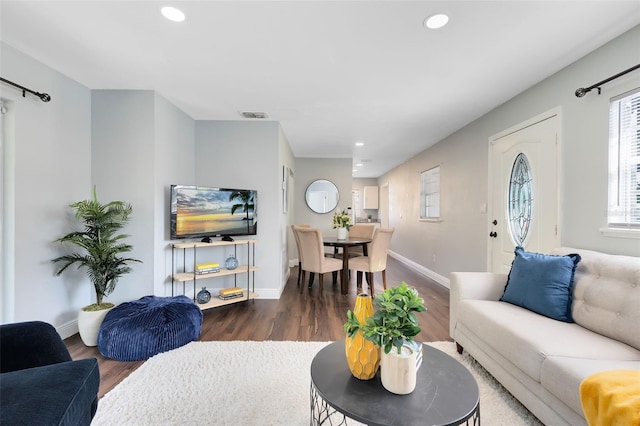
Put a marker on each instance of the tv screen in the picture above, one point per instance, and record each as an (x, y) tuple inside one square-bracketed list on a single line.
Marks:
[(203, 212)]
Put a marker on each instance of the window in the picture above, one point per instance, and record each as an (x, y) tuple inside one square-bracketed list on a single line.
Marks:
[(520, 206), (430, 193), (624, 161)]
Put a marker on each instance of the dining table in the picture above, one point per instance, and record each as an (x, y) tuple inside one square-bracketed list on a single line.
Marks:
[(345, 244)]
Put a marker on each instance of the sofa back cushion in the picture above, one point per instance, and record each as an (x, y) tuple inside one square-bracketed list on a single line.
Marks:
[(606, 294)]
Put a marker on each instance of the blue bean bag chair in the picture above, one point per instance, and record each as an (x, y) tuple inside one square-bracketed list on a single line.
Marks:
[(134, 331)]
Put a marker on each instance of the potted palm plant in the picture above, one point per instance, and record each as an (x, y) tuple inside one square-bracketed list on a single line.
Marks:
[(101, 255), (393, 327)]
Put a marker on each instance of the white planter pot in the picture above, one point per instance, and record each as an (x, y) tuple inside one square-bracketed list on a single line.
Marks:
[(342, 233), (89, 325), (398, 371)]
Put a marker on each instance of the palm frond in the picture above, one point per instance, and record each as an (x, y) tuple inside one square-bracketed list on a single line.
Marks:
[(101, 243)]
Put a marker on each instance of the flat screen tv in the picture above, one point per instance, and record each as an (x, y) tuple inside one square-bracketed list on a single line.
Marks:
[(204, 212)]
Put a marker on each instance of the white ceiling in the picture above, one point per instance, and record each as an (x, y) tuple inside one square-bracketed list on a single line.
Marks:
[(331, 72)]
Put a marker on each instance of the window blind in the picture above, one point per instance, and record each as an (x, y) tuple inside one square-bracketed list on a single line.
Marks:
[(624, 160)]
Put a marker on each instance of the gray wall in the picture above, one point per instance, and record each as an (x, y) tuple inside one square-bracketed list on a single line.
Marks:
[(338, 171), (459, 242), (133, 145), (245, 155), (174, 164), (287, 243), (123, 151), (141, 145), (47, 160)]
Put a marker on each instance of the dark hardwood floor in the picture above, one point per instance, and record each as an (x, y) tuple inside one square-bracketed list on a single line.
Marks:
[(296, 317)]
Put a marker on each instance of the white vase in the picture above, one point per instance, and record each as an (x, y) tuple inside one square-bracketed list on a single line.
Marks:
[(89, 325), (342, 233), (398, 371)]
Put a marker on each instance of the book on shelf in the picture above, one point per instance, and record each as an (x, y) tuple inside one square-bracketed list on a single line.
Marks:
[(207, 271), (230, 291), (204, 268), (231, 296)]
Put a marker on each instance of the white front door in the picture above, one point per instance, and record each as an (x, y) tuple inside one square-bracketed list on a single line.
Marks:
[(523, 190)]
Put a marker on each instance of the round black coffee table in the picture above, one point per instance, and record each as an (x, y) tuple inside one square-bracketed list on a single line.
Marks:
[(446, 393)]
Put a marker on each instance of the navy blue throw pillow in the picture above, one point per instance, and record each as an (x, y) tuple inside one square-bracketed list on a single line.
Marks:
[(542, 283)]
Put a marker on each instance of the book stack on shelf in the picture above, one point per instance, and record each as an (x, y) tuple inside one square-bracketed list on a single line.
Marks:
[(207, 268), (230, 293)]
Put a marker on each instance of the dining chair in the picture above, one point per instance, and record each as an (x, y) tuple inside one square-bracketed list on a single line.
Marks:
[(311, 274), (295, 235), (376, 259), (361, 230), (313, 256)]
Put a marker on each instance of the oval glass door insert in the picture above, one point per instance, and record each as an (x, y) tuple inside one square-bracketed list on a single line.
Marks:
[(520, 205)]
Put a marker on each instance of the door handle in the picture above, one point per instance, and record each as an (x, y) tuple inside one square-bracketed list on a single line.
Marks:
[(493, 234)]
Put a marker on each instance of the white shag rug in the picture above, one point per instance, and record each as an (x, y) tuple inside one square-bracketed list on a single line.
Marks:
[(253, 383)]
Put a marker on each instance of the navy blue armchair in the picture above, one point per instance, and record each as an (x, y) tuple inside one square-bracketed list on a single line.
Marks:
[(39, 383)]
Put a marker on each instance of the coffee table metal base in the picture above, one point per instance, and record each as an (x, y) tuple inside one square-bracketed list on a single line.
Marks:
[(322, 413)]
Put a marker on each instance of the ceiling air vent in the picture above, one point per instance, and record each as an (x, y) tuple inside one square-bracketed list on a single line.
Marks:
[(254, 114)]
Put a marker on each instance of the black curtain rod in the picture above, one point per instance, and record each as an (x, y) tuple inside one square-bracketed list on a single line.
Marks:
[(45, 97), (582, 91)]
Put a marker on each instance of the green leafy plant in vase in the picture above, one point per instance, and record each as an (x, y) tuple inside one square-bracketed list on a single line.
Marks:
[(102, 256), (392, 326), (342, 222)]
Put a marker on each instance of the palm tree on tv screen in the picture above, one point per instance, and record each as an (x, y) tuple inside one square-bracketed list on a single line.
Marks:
[(244, 200)]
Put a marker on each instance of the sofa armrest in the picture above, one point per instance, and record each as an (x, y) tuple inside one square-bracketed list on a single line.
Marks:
[(473, 285), (30, 344)]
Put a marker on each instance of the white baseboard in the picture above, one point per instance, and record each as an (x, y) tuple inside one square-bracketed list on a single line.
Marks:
[(421, 269), (68, 329)]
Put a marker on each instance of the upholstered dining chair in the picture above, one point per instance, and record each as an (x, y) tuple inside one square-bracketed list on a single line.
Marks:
[(361, 230), (295, 235), (313, 256), (375, 261)]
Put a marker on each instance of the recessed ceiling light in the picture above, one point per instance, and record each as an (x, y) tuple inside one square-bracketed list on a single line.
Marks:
[(436, 21), (172, 14), (359, 165), (359, 143)]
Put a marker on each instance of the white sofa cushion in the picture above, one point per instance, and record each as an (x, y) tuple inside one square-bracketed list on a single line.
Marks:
[(606, 295), (527, 338), (562, 375)]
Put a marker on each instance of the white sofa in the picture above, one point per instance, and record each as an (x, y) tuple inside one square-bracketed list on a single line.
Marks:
[(542, 361)]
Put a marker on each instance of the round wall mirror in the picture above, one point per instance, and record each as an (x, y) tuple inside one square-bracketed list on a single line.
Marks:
[(322, 196)]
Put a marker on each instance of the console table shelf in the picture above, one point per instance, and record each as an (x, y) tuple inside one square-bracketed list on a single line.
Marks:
[(216, 302), (190, 275)]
